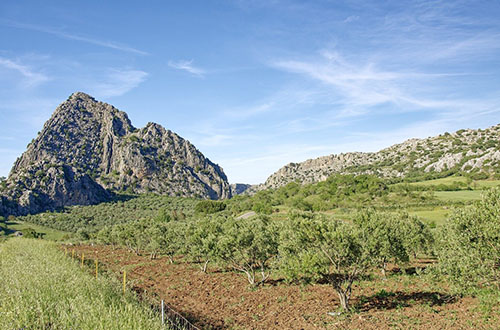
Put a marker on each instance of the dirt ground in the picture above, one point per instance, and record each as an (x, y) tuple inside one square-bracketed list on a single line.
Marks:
[(223, 300)]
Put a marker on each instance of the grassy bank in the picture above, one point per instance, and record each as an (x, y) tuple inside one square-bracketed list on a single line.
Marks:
[(41, 288)]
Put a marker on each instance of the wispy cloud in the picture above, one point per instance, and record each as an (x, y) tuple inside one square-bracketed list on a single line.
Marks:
[(71, 36), (118, 82), (187, 66), (351, 18), (362, 86), (30, 76)]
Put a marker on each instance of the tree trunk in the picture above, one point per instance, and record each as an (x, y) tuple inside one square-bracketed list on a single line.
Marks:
[(250, 277), (204, 267), (344, 300), (384, 266)]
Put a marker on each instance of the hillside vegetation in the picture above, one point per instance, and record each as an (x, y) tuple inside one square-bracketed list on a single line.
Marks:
[(43, 289), (467, 151)]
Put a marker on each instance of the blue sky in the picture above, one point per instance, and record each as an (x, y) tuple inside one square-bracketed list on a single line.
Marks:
[(255, 84)]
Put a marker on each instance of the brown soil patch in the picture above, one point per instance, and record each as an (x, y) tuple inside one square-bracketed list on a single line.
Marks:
[(223, 300)]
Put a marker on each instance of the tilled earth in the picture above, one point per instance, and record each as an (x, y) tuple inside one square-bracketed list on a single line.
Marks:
[(223, 300)]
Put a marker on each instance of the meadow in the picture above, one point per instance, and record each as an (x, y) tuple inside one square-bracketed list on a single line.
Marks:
[(44, 289)]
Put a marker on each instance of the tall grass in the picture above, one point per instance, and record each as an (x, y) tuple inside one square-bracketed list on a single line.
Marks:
[(40, 288)]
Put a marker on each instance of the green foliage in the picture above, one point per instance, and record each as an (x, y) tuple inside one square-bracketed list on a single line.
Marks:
[(124, 209), (313, 248), (247, 246), (202, 237), (469, 245), (43, 289), (31, 233), (134, 138), (386, 241), (209, 206)]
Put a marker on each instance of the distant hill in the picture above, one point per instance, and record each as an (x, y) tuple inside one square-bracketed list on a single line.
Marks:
[(466, 150), (88, 149)]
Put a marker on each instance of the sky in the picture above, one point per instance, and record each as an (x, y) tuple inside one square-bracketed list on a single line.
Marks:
[(255, 84)]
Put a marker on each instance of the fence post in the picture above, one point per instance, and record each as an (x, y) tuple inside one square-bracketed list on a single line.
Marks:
[(124, 280), (96, 268), (162, 312), (83, 258), (73, 254)]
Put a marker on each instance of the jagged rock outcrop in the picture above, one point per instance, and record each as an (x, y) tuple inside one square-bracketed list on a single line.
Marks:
[(89, 149), (239, 188), (465, 150)]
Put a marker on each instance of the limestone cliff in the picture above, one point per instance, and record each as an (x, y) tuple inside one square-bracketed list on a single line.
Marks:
[(88, 149)]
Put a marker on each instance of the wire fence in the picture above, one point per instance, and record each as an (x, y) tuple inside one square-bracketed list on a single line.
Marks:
[(170, 318)]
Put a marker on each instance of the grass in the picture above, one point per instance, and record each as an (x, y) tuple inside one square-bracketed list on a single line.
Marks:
[(458, 196), (436, 215), (43, 289), (48, 233), (476, 184), (446, 181)]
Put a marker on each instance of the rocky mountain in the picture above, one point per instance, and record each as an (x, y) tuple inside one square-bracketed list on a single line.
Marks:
[(466, 150), (88, 149)]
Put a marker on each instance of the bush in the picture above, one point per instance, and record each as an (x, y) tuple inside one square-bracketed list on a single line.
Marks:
[(209, 207), (469, 245)]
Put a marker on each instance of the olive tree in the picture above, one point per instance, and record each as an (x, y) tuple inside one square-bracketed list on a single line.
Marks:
[(201, 239), (385, 235), (314, 247), (247, 246), (171, 240), (468, 246), (417, 236)]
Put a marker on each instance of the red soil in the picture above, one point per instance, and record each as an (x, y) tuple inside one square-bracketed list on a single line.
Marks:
[(223, 300)]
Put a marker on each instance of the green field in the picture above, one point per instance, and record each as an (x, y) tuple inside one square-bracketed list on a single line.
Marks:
[(447, 181), (436, 215), (48, 233), (476, 184), (43, 289), (458, 196)]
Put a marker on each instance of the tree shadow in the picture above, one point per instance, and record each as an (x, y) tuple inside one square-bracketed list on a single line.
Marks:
[(384, 300)]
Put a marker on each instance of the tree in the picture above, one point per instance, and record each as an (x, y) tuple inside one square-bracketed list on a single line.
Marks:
[(468, 246), (166, 238), (202, 237), (385, 238), (417, 237), (209, 207), (247, 246), (314, 247)]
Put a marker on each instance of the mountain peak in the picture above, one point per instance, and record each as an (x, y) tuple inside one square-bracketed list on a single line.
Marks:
[(88, 148), (81, 95)]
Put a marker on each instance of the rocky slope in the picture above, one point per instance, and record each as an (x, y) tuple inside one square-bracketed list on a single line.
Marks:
[(89, 149), (465, 150)]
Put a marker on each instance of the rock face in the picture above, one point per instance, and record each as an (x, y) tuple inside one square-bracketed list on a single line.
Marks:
[(465, 150), (89, 149)]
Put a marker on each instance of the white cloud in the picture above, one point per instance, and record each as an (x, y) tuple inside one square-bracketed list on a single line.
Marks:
[(70, 36), (118, 82), (31, 78), (351, 18), (187, 66)]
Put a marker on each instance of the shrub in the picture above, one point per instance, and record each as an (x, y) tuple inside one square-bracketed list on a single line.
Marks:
[(469, 245), (209, 206)]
